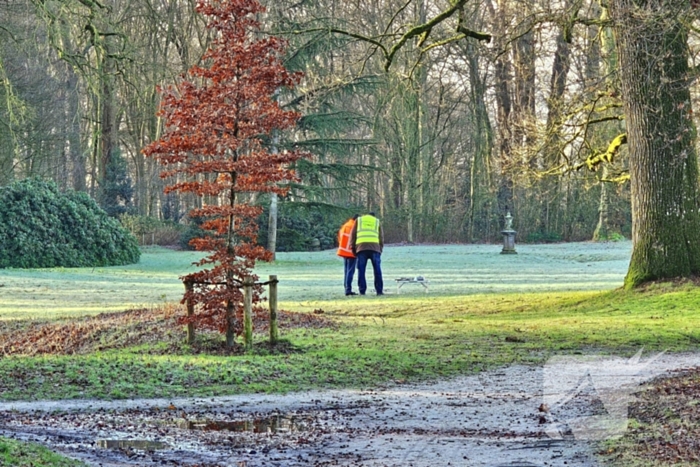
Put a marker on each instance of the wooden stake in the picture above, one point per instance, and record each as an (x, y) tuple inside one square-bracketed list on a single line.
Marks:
[(190, 312), (248, 312)]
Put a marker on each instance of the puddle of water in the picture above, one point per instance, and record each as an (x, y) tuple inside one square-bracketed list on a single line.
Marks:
[(140, 444), (272, 424)]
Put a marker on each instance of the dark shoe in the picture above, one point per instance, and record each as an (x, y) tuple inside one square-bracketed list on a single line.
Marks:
[(350, 293), (361, 293), (380, 293)]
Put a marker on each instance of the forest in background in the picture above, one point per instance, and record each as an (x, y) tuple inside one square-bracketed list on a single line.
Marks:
[(440, 115)]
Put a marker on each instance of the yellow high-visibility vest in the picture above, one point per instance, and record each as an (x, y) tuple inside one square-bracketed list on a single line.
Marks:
[(367, 230)]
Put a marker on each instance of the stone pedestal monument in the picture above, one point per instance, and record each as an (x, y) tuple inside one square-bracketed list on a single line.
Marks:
[(508, 236)]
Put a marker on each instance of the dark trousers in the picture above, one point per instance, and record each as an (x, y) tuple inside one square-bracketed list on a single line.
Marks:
[(349, 273), (376, 259)]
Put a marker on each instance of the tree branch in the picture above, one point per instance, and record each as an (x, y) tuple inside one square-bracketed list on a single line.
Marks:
[(92, 3), (421, 29), (344, 33), (606, 119), (480, 36), (593, 161)]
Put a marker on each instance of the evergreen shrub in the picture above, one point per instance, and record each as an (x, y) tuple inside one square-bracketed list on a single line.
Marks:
[(544, 237), (299, 223), (41, 227), (193, 230), (152, 231)]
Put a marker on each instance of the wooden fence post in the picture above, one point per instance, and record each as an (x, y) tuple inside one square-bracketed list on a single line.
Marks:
[(190, 312), (274, 332), (248, 312)]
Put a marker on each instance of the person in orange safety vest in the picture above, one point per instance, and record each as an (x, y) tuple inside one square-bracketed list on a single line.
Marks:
[(345, 252)]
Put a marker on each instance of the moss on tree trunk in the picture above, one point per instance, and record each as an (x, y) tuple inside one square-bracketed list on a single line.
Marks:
[(654, 76)]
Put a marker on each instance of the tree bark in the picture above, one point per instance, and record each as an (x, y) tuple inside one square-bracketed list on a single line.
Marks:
[(73, 111), (653, 53), (272, 226), (480, 169), (551, 189), (602, 229), (607, 48), (272, 218), (504, 106)]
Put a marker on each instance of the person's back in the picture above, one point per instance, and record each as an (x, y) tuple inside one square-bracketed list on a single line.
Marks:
[(344, 239), (368, 235), (367, 244), (345, 252)]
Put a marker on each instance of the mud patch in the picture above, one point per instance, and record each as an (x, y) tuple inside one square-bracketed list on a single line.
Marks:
[(270, 424), (489, 420), (140, 444)]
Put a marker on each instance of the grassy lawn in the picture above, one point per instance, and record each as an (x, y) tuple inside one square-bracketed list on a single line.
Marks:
[(378, 342), (483, 310), (16, 454), (58, 292)]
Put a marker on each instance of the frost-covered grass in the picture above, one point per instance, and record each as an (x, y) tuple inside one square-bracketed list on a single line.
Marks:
[(55, 292), (464, 269), (317, 276)]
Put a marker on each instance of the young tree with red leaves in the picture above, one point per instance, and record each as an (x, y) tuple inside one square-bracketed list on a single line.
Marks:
[(212, 147)]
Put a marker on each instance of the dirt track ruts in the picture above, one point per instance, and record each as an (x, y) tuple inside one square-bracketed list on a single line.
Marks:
[(489, 419)]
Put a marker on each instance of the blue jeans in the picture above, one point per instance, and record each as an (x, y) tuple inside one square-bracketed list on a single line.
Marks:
[(376, 258), (349, 273)]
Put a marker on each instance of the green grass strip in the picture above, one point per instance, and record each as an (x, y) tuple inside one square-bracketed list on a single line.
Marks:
[(18, 454)]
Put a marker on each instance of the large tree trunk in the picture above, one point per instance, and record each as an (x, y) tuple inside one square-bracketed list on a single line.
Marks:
[(653, 54)]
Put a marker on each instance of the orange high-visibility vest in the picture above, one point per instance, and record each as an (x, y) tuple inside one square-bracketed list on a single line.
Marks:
[(344, 247)]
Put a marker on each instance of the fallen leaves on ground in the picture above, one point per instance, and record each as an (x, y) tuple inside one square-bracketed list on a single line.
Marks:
[(666, 422), (109, 331)]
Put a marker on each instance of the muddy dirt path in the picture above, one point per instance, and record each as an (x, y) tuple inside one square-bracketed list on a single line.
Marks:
[(495, 418)]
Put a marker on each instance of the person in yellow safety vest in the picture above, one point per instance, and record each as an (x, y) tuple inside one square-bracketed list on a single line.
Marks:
[(367, 243), (345, 252)]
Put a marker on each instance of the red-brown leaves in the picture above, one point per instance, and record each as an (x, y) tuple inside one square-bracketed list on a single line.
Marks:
[(212, 147), (120, 330)]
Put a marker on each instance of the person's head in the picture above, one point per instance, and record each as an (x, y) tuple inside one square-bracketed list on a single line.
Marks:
[(372, 214), (355, 217)]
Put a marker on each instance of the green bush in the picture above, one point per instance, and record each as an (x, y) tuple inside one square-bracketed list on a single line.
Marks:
[(544, 237), (151, 231), (41, 227), (299, 223), (291, 240), (193, 230), (611, 237)]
